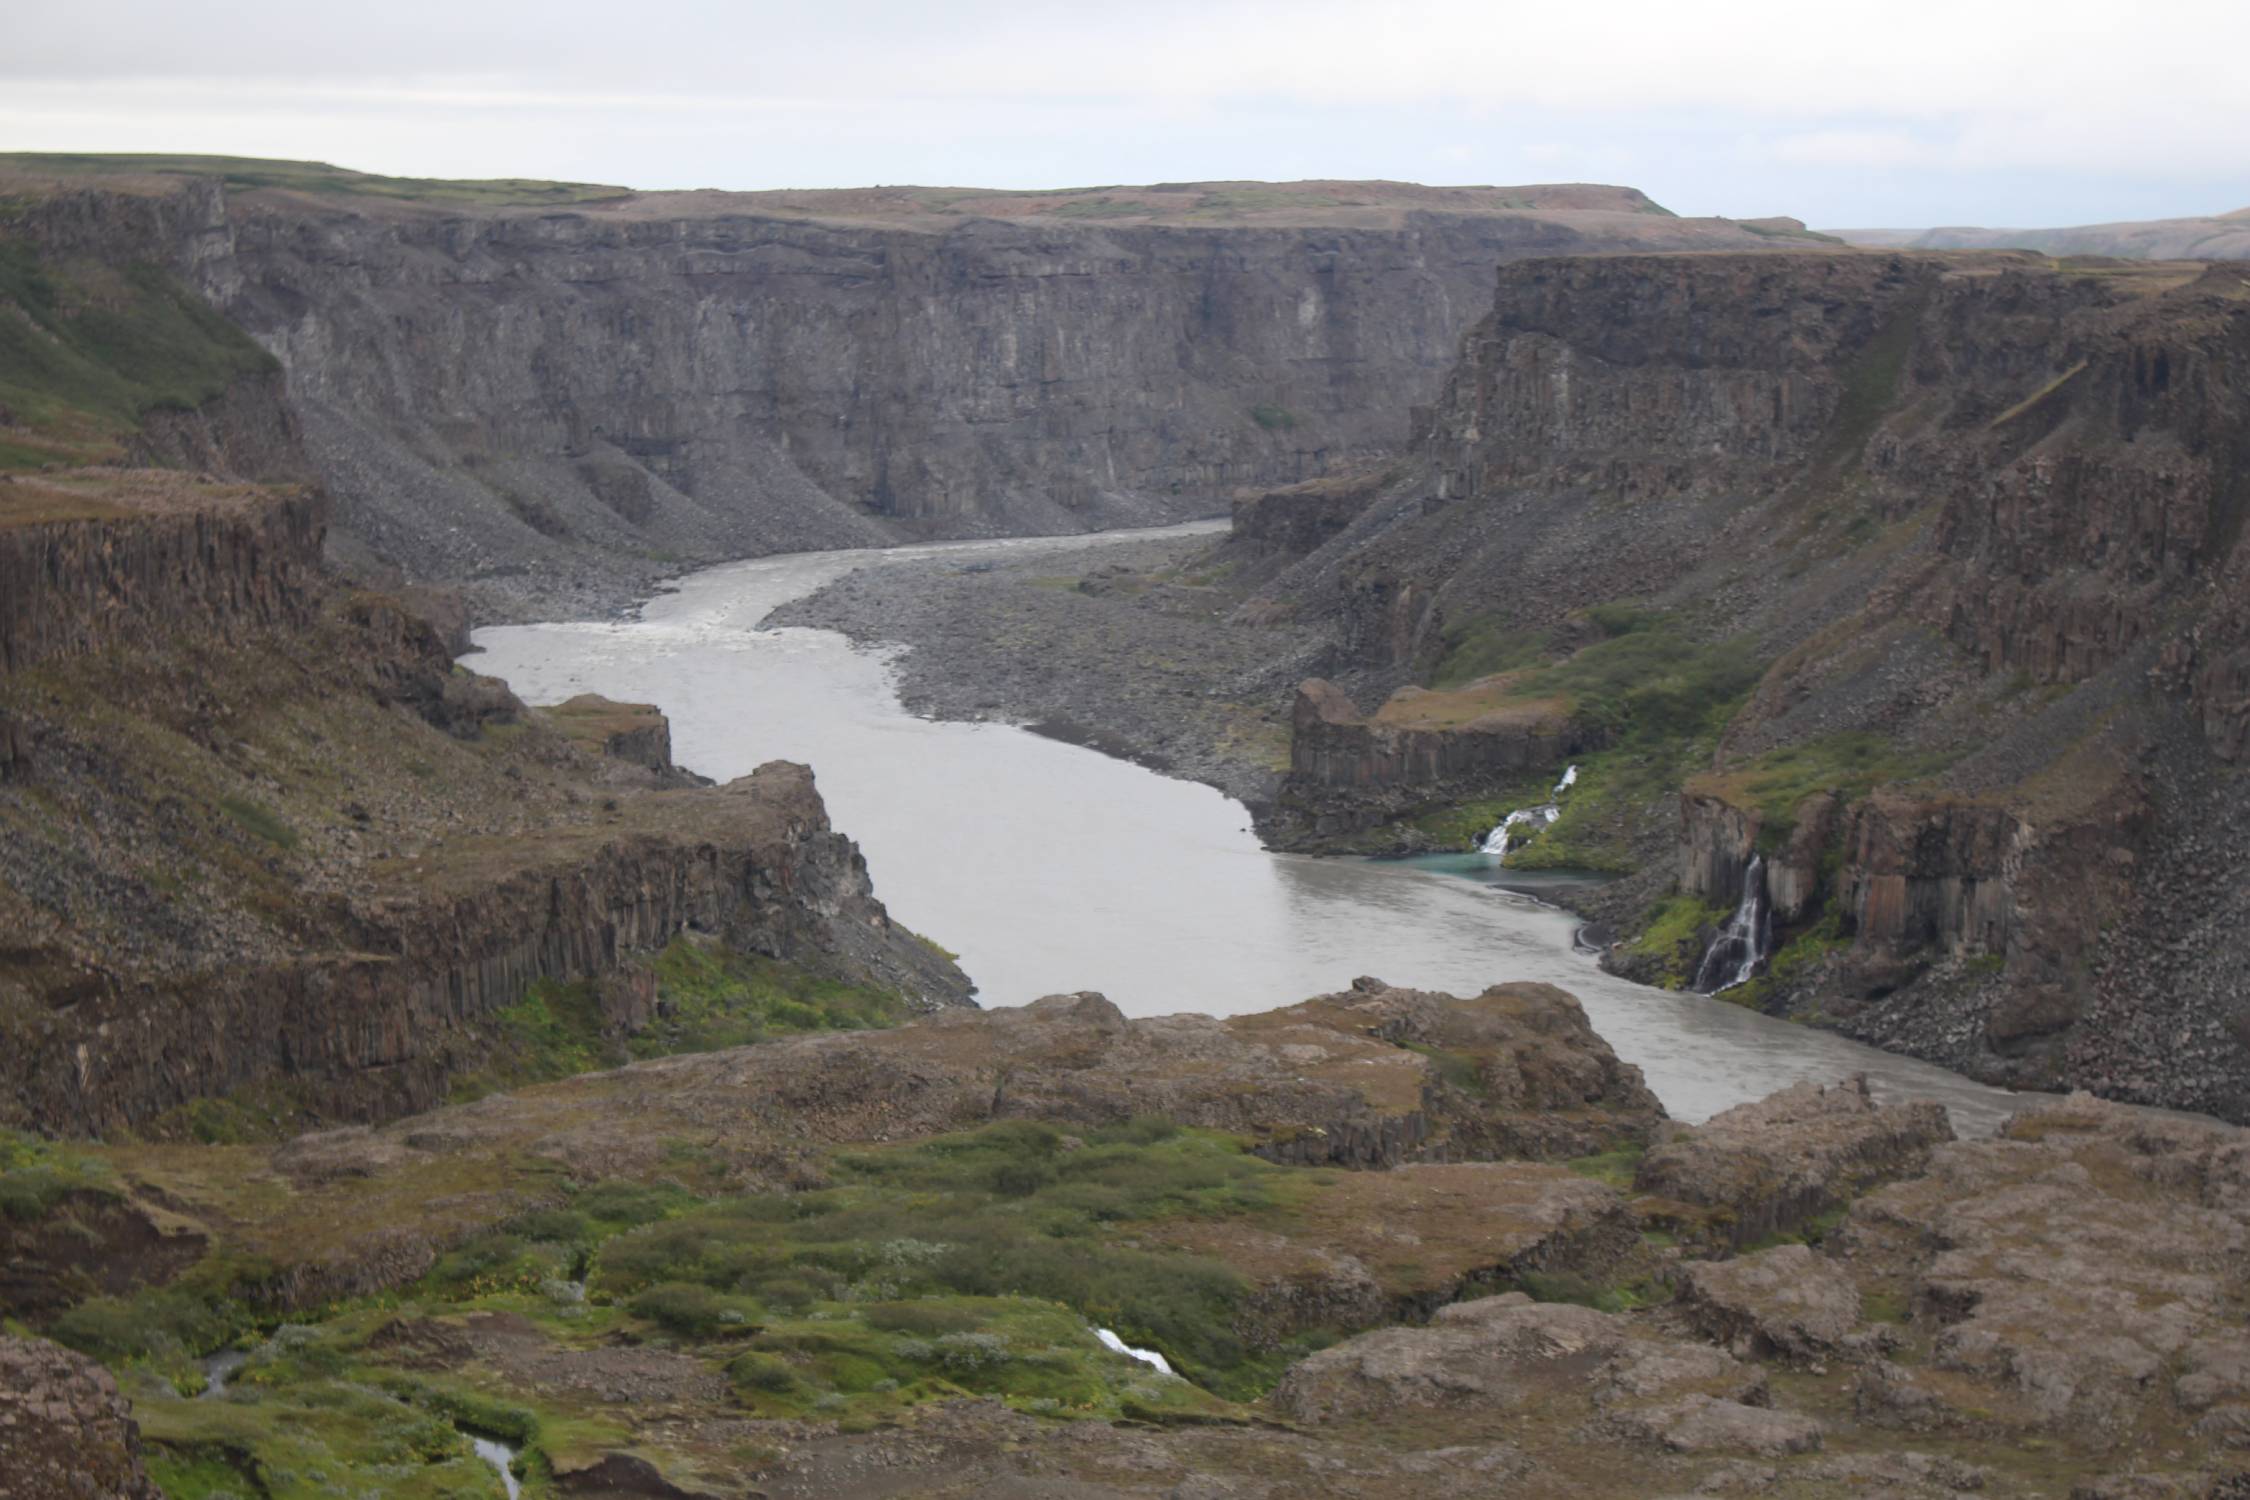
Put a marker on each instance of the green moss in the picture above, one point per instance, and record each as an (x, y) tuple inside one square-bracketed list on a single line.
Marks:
[(1273, 418), (1566, 1286), (1454, 1069), (711, 997), (1849, 765), (1614, 1168), (36, 1176), (1463, 825), (1012, 1210), (708, 997), (1674, 936), (1870, 385), (554, 1031), (1650, 681), (260, 820), (1481, 646), (87, 350)]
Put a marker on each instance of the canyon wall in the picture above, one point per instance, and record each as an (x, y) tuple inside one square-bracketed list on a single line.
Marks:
[(1977, 521), (377, 1026), (560, 405), (260, 838)]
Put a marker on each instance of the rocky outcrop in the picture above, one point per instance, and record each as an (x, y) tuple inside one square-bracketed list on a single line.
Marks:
[(1785, 1303), (2138, 1221), (95, 562), (1296, 519), (64, 1429), (1767, 1168), (1511, 1354), (635, 736), (256, 828), (1422, 748), (375, 1028)]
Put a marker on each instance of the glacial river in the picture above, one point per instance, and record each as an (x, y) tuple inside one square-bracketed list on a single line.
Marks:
[(1047, 867)]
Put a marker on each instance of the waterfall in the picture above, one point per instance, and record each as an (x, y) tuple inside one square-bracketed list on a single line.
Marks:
[(1741, 945), (1530, 819)]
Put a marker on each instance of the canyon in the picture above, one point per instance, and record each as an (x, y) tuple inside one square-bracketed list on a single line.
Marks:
[(556, 403), (1911, 575), (403, 1079)]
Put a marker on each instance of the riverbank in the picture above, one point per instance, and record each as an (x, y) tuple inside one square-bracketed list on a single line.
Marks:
[(1128, 645)]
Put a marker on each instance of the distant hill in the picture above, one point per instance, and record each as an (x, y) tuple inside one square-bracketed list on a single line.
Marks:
[(2213, 237), (1321, 202)]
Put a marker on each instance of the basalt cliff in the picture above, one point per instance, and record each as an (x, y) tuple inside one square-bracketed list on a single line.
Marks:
[(1899, 595), (557, 394), (268, 857)]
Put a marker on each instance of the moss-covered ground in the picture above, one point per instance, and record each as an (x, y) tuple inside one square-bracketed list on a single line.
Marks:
[(87, 350)]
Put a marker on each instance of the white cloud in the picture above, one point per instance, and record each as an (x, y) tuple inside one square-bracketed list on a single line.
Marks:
[(1729, 95)]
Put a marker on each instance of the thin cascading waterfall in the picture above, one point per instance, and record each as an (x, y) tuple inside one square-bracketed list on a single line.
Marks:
[(1734, 955), (1519, 826)]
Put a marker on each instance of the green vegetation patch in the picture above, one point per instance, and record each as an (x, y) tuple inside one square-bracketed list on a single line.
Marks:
[(1481, 646), (1674, 936), (37, 1175), (1650, 680), (1015, 1210), (711, 997), (256, 818), (87, 350), (309, 1417), (1850, 765), (246, 173), (1273, 418), (708, 997)]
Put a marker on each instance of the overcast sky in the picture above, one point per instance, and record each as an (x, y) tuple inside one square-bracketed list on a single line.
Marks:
[(1902, 113)]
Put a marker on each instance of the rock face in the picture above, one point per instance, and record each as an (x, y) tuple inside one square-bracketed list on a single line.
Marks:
[(633, 734), (1297, 518), (85, 566), (1509, 1353), (374, 1030), (64, 1429), (1347, 771), (509, 394), (255, 828), (1969, 516)]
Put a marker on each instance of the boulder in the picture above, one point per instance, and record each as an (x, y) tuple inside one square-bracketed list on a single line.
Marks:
[(1768, 1167), (1511, 1354), (64, 1429), (1786, 1303)]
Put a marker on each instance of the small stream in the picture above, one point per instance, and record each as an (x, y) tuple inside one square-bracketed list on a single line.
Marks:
[(500, 1455), (1049, 867), (218, 1370)]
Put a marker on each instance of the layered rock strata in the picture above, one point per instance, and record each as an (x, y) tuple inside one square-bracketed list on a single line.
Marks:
[(260, 832), (534, 398), (1975, 518)]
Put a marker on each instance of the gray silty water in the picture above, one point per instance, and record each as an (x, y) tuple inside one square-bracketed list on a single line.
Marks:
[(1049, 867)]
